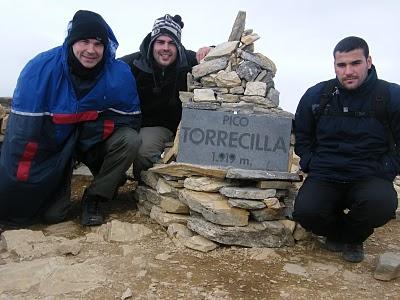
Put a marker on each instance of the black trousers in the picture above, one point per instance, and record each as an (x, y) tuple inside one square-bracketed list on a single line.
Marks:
[(319, 207)]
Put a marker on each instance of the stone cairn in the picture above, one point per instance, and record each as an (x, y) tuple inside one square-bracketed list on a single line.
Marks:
[(205, 206), (4, 112)]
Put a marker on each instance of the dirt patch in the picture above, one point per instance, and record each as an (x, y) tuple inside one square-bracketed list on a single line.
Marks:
[(156, 268)]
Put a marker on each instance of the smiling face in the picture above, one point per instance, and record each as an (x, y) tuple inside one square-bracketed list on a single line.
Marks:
[(89, 52), (352, 67), (164, 51)]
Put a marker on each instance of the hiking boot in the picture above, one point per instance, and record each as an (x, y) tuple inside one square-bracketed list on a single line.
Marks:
[(353, 252), (91, 214), (334, 246)]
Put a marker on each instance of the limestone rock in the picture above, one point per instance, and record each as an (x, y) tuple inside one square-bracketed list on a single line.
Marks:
[(200, 243), (201, 95), (164, 188), (64, 277), (144, 207), (248, 70), (388, 266), (67, 229), (165, 219), (127, 294), (220, 91), (267, 214), (255, 234), (185, 96), (172, 205), (266, 254), (201, 105), (238, 27), (273, 184), (228, 98), (246, 204), (14, 239), (296, 270), (247, 193), (208, 81), (209, 67), (237, 90), (273, 95), (27, 244), (179, 231), (258, 58), (215, 208), (274, 111), (227, 79), (272, 203), (259, 100), (143, 193), (205, 184), (72, 247), (289, 224), (93, 237), (150, 178), (261, 175), (186, 170), (250, 38), (300, 234), (256, 88), (222, 50), (3, 124), (2, 112), (126, 232)]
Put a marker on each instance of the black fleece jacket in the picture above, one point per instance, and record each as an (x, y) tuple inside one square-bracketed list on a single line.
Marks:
[(159, 88), (347, 149)]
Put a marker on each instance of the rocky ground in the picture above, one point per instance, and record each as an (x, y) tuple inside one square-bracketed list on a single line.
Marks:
[(68, 261)]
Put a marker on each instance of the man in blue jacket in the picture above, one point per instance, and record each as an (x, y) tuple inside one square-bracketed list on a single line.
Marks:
[(160, 69), (348, 151), (73, 102)]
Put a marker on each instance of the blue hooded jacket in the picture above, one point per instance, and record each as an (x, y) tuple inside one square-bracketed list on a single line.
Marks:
[(48, 125)]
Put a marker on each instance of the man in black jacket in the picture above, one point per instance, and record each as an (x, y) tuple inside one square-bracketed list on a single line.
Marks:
[(160, 69), (347, 152)]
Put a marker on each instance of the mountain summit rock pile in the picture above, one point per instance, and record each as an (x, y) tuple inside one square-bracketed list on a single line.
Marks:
[(203, 206)]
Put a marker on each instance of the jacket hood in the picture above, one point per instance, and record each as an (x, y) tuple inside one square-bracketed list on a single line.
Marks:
[(109, 52), (145, 60)]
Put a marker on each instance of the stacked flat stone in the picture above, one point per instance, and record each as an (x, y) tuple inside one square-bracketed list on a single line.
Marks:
[(4, 112), (233, 78), (223, 206)]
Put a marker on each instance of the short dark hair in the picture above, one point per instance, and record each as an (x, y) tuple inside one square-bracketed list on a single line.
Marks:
[(352, 43)]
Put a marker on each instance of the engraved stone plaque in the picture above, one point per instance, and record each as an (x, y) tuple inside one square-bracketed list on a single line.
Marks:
[(216, 138)]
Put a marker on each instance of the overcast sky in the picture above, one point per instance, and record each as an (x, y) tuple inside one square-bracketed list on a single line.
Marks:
[(298, 35)]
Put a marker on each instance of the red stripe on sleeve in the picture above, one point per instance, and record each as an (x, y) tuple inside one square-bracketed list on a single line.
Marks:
[(108, 128), (24, 165), (75, 118)]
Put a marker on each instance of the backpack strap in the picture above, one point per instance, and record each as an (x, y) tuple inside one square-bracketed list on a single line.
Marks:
[(382, 96), (325, 97)]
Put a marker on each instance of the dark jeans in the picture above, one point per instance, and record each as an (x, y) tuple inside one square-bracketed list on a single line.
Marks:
[(109, 161), (153, 144), (320, 205)]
